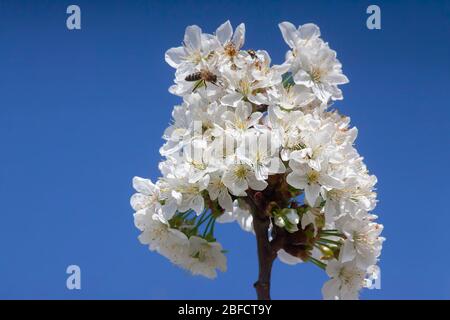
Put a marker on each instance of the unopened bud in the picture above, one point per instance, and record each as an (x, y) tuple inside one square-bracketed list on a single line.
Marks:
[(327, 252), (279, 221)]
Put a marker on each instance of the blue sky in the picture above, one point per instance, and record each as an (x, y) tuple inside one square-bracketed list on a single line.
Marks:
[(82, 112)]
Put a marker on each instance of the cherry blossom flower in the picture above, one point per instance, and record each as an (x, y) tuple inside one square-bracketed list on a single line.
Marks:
[(251, 141)]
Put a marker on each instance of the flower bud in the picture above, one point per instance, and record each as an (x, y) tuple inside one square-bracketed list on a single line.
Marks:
[(327, 252)]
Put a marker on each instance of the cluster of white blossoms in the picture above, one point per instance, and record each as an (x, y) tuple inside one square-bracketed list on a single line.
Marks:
[(248, 129)]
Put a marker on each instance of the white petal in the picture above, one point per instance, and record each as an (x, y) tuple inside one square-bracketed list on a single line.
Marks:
[(138, 201), (243, 110), (315, 164), (331, 182), (276, 166), (289, 33), (312, 193), (144, 186), (308, 218), (348, 252), (197, 204), (213, 192), (254, 120), (330, 289), (204, 182), (287, 258), (177, 196), (239, 186), (224, 32), (302, 77), (333, 268), (239, 36), (297, 181), (174, 56), (193, 37), (336, 78), (245, 221), (226, 217), (225, 200), (261, 173), (258, 98), (231, 99), (228, 177), (309, 31), (169, 209), (255, 184), (146, 238)]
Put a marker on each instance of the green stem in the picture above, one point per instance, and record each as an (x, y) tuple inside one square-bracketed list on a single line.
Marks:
[(183, 215), (212, 226), (203, 219), (332, 234), (205, 232), (318, 263), (329, 241)]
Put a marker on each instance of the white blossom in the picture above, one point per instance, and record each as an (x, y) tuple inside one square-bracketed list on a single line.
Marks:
[(206, 257), (147, 196), (247, 130), (312, 62), (311, 181), (239, 176), (363, 242), (345, 283)]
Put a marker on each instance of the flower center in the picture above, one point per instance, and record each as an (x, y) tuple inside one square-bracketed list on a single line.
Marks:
[(244, 86), (240, 172), (316, 74), (313, 176), (241, 124), (195, 57), (198, 165), (230, 49)]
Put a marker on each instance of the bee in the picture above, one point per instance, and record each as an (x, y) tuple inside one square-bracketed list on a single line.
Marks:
[(252, 53), (201, 78)]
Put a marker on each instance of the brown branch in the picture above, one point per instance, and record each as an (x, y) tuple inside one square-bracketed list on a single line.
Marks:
[(266, 254), (262, 203)]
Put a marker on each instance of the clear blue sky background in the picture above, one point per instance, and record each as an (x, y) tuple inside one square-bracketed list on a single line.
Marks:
[(82, 112)]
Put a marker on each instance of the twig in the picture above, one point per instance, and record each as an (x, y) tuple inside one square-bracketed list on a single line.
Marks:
[(266, 253)]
